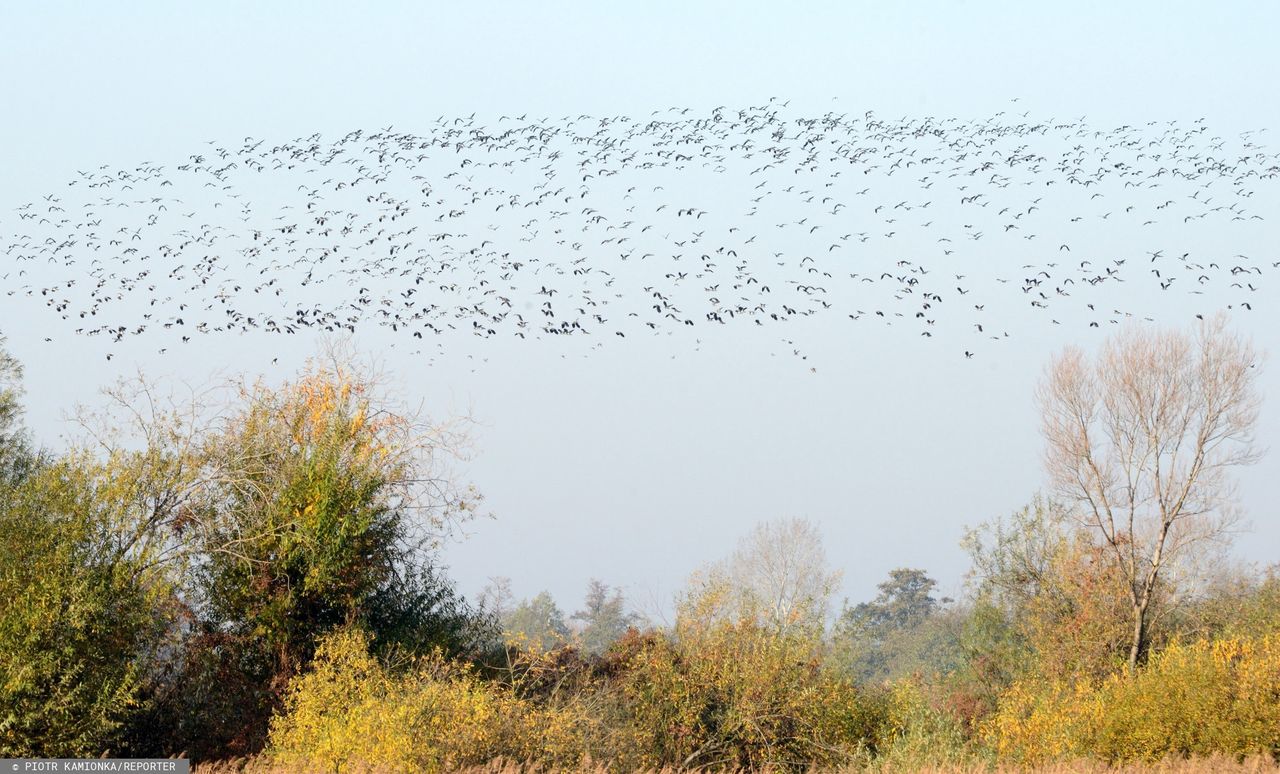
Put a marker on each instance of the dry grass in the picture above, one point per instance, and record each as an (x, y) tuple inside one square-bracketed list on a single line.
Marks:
[(1256, 765), (1215, 765)]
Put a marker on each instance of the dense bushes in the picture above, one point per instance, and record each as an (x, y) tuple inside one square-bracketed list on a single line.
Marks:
[(739, 696), (725, 688), (729, 696), (351, 711), (735, 697), (1220, 696)]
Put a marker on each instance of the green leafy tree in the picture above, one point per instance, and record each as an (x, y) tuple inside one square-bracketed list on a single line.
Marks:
[(17, 459), (905, 598), (897, 632), (1042, 578), (164, 579), (85, 612), (325, 509), (539, 621), (90, 578)]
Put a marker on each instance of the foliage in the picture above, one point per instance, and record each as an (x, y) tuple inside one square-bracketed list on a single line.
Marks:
[(352, 711), (604, 617), (420, 611), (207, 587), (1243, 603), (740, 693), (1059, 593), (82, 616), (1206, 697), (922, 733), (718, 695), (166, 577), (991, 654), (321, 510), (10, 395), (539, 620), (306, 532), (896, 634), (904, 599)]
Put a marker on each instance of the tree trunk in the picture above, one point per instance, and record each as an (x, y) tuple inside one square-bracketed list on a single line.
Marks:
[(1138, 645)]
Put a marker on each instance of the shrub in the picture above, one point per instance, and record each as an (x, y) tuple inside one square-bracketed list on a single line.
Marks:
[(350, 712), (735, 694), (353, 712), (923, 731), (1204, 698)]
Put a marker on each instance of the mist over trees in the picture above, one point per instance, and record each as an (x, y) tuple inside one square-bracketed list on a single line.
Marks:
[(900, 632), (539, 620), (778, 576), (254, 570), (604, 617)]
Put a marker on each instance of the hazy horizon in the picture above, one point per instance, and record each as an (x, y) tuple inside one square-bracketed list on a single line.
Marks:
[(639, 460)]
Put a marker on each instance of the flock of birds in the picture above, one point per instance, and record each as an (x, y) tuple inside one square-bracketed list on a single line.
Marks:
[(623, 226)]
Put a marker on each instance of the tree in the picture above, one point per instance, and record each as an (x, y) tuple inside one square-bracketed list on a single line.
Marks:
[(778, 575), (284, 511), (904, 599), (497, 599), (17, 458), (10, 394), (324, 506), (82, 619), (165, 577), (90, 590), (879, 639), (1142, 439), (538, 620), (728, 688), (604, 617), (1048, 583)]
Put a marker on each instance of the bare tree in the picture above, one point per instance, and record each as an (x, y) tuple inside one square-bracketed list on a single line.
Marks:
[(778, 574), (497, 599), (1143, 439)]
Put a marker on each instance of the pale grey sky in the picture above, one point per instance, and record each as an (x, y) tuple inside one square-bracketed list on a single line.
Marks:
[(637, 463)]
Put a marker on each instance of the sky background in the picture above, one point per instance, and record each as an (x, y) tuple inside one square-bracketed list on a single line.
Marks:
[(635, 464)]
